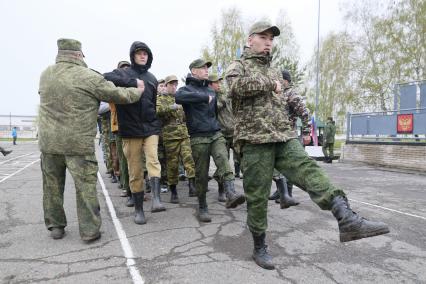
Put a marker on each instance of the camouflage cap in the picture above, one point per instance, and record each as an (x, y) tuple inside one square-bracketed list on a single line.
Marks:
[(69, 44), (160, 81), (123, 64), (263, 26), (170, 78), (198, 63), (214, 78)]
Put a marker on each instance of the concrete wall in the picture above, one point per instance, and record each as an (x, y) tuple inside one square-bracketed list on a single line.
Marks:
[(407, 157)]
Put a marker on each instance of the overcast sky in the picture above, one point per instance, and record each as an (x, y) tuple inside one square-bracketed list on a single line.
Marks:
[(174, 30)]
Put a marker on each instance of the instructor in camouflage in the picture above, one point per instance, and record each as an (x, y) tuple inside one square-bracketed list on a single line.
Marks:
[(264, 133), (69, 100), (175, 138)]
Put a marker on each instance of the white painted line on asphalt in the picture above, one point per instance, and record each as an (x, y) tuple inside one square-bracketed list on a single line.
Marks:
[(128, 253), (389, 209), (20, 170), (15, 158)]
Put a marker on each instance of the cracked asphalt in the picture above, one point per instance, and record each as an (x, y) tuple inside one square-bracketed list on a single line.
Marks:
[(173, 247)]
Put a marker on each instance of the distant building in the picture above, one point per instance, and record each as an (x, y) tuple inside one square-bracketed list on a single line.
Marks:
[(26, 125)]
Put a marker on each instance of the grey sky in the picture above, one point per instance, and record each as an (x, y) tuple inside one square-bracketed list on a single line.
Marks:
[(174, 30)]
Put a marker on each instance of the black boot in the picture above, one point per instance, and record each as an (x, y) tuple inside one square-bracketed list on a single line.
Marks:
[(156, 199), (351, 225), (285, 199), (5, 152), (325, 159), (114, 179), (130, 199), (174, 195), (191, 185), (139, 215), (237, 170), (290, 188), (260, 252), (233, 199), (275, 195), (221, 197), (203, 211), (147, 184)]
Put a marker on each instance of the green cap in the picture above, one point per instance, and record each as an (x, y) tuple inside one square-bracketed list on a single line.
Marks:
[(263, 26), (198, 63), (123, 64), (69, 44), (160, 81), (170, 78), (214, 78)]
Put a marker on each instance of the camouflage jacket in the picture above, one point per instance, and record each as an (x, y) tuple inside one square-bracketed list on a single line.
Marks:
[(224, 112), (329, 132), (297, 108), (261, 115), (69, 100), (172, 117)]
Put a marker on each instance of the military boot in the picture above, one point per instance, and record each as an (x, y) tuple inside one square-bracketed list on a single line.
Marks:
[(221, 197), (156, 199), (57, 233), (351, 225), (130, 199), (139, 215), (285, 199), (6, 152), (174, 195), (233, 199), (260, 252), (237, 170), (203, 211), (114, 178), (275, 195), (147, 185), (191, 185), (290, 188)]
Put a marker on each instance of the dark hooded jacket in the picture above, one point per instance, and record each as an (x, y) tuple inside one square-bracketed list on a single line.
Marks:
[(200, 114), (138, 119)]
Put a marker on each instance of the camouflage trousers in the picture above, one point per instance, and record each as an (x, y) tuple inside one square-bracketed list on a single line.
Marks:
[(115, 163), (84, 170), (204, 147), (330, 148), (290, 159), (175, 149), (162, 159), (228, 144), (124, 171), (106, 129)]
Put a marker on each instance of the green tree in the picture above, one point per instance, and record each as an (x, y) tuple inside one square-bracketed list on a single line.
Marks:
[(228, 38)]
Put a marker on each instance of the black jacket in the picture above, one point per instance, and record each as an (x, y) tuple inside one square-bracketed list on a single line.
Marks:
[(138, 119), (200, 114)]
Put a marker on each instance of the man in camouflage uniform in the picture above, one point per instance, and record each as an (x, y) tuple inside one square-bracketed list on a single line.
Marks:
[(122, 161), (105, 115), (328, 143), (265, 135), (226, 122), (199, 104), (161, 151), (69, 101), (5, 152), (175, 138), (296, 109)]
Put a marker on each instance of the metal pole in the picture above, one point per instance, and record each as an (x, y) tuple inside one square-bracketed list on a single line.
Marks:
[(318, 63)]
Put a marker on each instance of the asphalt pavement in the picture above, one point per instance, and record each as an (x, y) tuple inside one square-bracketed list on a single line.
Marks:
[(173, 247)]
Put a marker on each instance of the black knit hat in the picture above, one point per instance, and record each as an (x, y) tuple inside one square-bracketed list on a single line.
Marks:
[(286, 76)]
